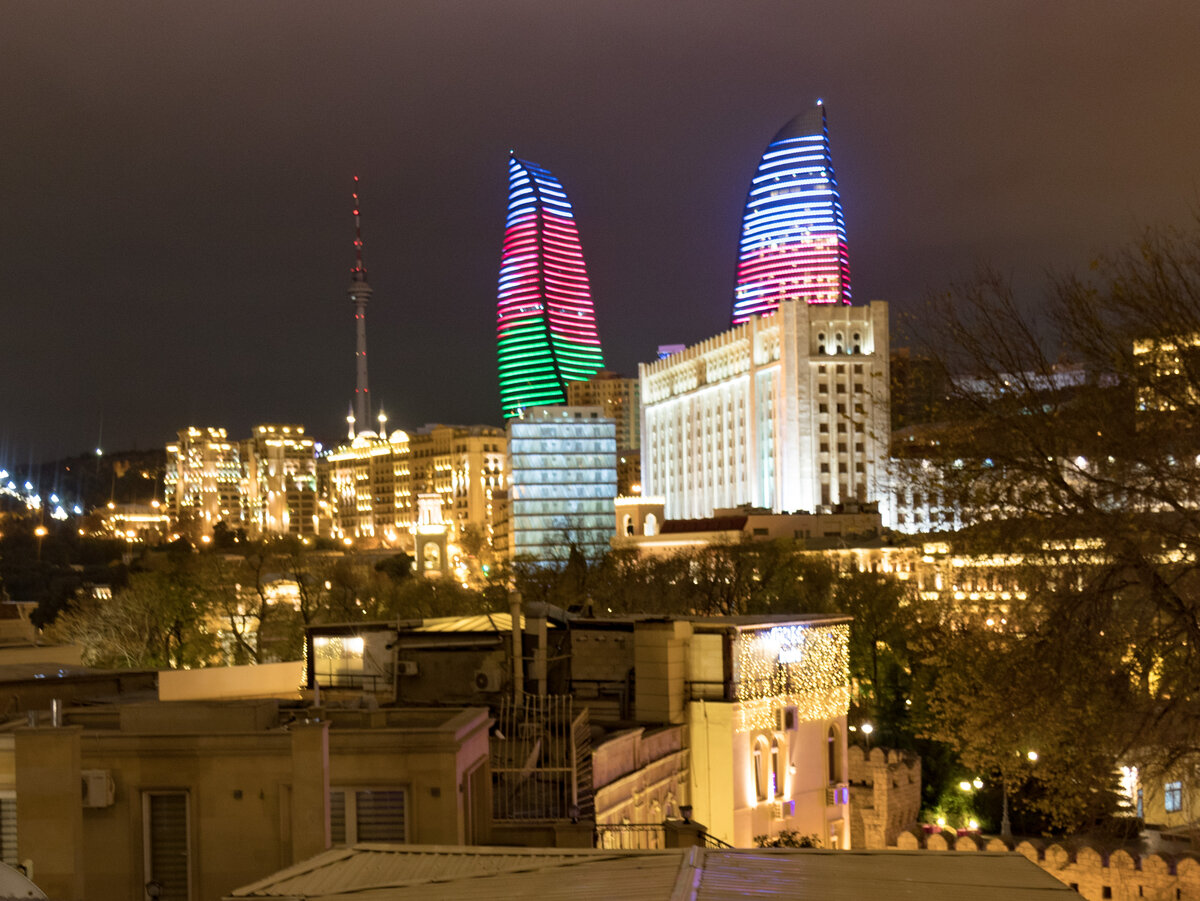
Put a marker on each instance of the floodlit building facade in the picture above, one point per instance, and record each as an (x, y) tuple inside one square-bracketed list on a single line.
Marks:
[(763, 701), (464, 465), (545, 326), (203, 479), (563, 479), (787, 412), (371, 484), (367, 488), (266, 484), (279, 481)]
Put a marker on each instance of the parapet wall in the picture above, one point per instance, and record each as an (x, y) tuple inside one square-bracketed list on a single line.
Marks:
[(1094, 873), (885, 795)]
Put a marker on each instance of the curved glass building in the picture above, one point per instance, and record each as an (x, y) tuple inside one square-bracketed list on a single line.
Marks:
[(793, 233), (545, 326)]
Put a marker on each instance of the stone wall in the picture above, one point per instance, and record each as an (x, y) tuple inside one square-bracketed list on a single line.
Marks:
[(885, 795), (641, 777), (1094, 873)]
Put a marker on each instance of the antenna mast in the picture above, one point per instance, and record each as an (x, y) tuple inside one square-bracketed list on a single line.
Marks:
[(360, 294)]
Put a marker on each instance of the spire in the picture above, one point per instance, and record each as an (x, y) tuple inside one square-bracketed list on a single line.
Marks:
[(360, 293), (359, 272)]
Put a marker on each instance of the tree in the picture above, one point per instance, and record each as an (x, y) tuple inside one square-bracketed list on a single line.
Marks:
[(884, 629), (398, 567), (158, 620), (1066, 434)]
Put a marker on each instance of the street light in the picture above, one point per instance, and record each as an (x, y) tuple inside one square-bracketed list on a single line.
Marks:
[(1005, 825), (867, 729)]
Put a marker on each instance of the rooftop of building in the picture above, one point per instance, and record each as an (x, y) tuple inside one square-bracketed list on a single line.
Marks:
[(378, 872)]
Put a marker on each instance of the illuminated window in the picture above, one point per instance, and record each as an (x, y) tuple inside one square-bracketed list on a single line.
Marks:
[(834, 757), (760, 768), (776, 774), (1173, 797)]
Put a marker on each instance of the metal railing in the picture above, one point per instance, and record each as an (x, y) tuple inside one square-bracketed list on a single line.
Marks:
[(364, 681), (631, 836)]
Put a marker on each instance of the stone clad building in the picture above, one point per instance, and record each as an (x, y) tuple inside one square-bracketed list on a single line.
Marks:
[(200, 797), (787, 412)]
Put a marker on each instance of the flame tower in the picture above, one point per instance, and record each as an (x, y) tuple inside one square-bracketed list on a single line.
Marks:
[(793, 233), (360, 294), (545, 325)]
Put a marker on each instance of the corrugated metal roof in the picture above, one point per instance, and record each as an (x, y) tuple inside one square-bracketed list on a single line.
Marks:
[(407, 873), (484, 622), (855, 875)]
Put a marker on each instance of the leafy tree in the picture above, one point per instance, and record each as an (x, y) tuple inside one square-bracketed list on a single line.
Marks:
[(398, 568), (1066, 433), (884, 629), (158, 620)]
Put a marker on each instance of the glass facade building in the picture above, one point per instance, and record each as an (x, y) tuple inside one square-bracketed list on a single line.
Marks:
[(545, 325), (563, 471), (793, 244)]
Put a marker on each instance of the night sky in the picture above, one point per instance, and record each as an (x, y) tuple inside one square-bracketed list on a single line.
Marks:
[(175, 178)]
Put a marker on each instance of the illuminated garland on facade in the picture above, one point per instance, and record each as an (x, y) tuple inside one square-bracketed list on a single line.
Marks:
[(806, 667), (545, 327), (793, 232)]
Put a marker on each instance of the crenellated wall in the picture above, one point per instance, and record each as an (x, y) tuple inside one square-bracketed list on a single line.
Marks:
[(1095, 873), (885, 795)]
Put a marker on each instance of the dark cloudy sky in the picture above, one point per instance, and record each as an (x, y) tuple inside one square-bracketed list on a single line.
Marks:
[(175, 228)]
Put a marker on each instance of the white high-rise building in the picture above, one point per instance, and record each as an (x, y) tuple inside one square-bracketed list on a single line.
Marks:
[(787, 412)]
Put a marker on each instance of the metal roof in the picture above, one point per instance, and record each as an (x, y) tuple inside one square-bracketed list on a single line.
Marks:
[(376, 872), (484, 622)]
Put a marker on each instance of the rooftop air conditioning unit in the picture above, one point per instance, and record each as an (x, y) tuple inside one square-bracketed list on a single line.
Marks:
[(98, 788), (488, 678), (406, 667)]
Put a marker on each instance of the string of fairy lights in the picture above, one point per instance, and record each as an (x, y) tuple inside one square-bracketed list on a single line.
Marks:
[(805, 667)]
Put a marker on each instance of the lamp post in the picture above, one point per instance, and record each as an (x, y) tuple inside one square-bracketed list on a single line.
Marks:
[(1005, 825), (867, 729)]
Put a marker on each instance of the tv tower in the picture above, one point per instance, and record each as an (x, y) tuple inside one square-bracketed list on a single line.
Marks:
[(360, 293)]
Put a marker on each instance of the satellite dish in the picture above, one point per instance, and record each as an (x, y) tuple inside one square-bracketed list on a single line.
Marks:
[(14, 884)]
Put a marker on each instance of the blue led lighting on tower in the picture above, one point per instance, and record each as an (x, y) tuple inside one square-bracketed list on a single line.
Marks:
[(793, 242)]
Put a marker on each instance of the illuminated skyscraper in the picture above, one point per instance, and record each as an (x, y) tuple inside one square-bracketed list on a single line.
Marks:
[(545, 326), (793, 243)]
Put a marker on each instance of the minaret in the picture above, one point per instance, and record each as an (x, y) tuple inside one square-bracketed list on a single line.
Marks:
[(360, 293)]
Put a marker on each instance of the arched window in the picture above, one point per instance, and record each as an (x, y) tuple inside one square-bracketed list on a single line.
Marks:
[(759, 762), (834, 766), (650, 526), (628, 524), (776, 771)]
